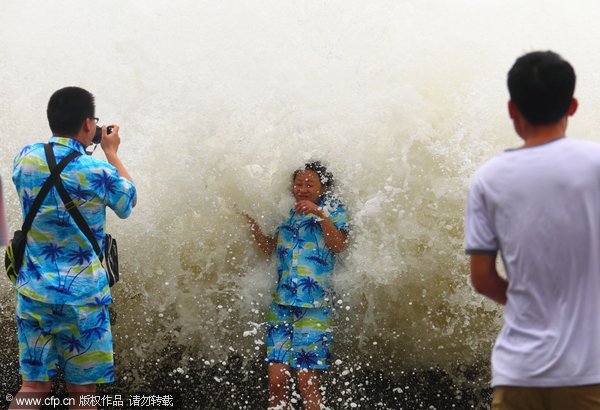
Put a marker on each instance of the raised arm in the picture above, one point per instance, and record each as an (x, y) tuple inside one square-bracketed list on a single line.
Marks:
[(335, 239), (110, 146), (264, 242)]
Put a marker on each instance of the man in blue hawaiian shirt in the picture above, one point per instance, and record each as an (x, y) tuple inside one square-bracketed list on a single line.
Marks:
[(62, 288)]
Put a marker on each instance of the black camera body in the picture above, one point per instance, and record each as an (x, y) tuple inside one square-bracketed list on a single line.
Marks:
[(98, 135)]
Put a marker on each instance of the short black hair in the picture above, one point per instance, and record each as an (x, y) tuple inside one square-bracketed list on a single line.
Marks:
[(67, 108), (325, 176), (541, 85)]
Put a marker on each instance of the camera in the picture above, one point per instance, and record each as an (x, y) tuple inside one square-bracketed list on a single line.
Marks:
[(98, 134)]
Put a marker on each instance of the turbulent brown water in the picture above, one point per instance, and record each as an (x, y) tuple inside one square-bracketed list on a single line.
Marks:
[(218, 103)]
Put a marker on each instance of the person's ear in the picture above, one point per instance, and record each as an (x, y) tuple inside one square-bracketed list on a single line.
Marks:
[(512, 110), (86, 125), (573, 107)]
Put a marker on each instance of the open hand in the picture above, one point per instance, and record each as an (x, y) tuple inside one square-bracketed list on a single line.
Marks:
[(251, 221)]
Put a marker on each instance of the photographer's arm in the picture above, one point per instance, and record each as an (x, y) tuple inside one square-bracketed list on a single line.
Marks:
[(110, 146), (113, 159), (264, 242)]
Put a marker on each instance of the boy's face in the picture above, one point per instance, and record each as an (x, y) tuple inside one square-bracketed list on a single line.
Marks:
[(307, 186)]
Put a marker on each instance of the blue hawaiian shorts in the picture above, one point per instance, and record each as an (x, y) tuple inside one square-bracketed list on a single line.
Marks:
[(76, 338), (300, 337)]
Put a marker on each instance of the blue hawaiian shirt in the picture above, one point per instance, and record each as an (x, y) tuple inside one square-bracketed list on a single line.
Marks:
[(304, 262), (60, 265)]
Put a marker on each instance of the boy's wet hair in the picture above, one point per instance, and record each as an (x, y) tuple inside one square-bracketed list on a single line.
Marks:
[(68, 108), (541, 85), (325, 176)]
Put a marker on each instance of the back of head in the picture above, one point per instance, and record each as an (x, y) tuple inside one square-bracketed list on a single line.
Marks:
[(67, 108), (541, 85)]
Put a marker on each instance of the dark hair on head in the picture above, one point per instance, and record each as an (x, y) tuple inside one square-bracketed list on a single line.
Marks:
[(541, 85), (325, 176), (68, 108)]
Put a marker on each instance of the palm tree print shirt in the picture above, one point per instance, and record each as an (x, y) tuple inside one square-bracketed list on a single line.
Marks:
[(60, 265), (304, 262)]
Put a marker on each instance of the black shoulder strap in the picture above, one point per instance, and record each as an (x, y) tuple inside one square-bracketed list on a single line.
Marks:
[(54, 173), (71, 207)]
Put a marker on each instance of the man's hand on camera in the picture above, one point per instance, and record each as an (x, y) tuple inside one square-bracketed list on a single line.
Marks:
[(110, 142), (110, 145)]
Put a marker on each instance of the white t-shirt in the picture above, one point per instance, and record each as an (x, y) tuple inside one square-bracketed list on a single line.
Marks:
[(540, 208)]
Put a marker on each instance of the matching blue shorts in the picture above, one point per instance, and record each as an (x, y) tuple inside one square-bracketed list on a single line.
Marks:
[(79, 340), (76, 338), (300, 337)]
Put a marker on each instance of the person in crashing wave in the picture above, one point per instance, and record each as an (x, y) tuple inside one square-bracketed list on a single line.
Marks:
[(299, 327)]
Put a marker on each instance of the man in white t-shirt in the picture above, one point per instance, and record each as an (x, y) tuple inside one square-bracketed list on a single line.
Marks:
[(539, 207)]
